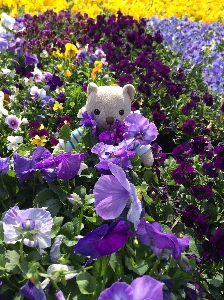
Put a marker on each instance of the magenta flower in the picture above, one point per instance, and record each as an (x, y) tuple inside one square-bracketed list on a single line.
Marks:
[(141, 288), (138, 129), (30, 291), (104, 240), (28, 219), (112, 192), (12, 121)]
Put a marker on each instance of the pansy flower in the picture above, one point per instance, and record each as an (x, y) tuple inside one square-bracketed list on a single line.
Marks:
[(112, 193), (36, 220)]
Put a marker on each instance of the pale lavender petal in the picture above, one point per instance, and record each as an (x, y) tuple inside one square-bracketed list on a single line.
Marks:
[(110, 197), (10, 220), (147, 288), (135, 208), (118, 291), (120, 175), (59, 295), (55, 252)]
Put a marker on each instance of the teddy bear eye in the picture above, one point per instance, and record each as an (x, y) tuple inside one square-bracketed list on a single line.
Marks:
[(96, 111), (121, 112)]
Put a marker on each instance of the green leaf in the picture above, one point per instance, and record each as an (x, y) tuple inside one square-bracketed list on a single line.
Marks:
[(99, 266), (53, 206), (33, 256), (57, 226), (139, 267), (86, 283), (42, 196), (58, 191), (68, 230), (12, 261), (116, 264), (1, 232), (65, 133)]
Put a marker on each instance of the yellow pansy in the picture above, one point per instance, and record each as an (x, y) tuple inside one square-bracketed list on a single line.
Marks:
[(70, 50), (67, 73), (60, 67), (39, 140), (94, 72), (57, 54), (57, 106), (98, 63)]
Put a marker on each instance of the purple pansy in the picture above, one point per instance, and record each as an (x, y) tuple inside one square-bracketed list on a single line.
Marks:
[(141, 288), (104, 240), (12, 121), (4, 165), (182, 152), (183, 172), (28, 219), (112, 192), (139, 129), (201, 192), (152, 235), (41, 159), (30, 59), (118, 155), (68, 165), (30, 291), (189, 126)]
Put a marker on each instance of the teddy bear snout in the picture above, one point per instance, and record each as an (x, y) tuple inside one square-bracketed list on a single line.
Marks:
[(110, 120)]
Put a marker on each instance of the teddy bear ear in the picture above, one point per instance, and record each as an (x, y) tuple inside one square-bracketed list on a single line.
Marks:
[(92, 87), (128, 88)]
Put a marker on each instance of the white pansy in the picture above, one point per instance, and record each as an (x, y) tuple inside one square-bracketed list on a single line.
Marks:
[(57, 268), (14, 141), (3, 111), (44, 54), (8, 21)]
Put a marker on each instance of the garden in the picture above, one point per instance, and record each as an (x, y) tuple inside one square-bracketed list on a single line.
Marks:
[(133, 209)]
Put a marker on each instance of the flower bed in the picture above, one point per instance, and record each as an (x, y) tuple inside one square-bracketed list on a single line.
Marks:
[(95, 223)]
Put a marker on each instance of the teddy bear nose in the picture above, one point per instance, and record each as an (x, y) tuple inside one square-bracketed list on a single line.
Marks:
[(110, 120)]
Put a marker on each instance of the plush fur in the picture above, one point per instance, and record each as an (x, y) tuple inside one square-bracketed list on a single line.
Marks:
[(108, 103)]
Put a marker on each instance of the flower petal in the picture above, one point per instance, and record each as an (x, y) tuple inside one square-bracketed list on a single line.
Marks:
[(147, 288), (118, 291), (110, 197)]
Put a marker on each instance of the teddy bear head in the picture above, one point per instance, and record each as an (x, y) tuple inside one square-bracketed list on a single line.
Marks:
[(109, 103)]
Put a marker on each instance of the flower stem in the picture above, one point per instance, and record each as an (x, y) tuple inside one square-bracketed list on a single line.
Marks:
[(170, 264), (156, 263), (79, 270), (21, 252), (80, 221), (105, 273)]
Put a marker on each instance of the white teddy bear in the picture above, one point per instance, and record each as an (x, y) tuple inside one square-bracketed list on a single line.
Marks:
[(107, 104)]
